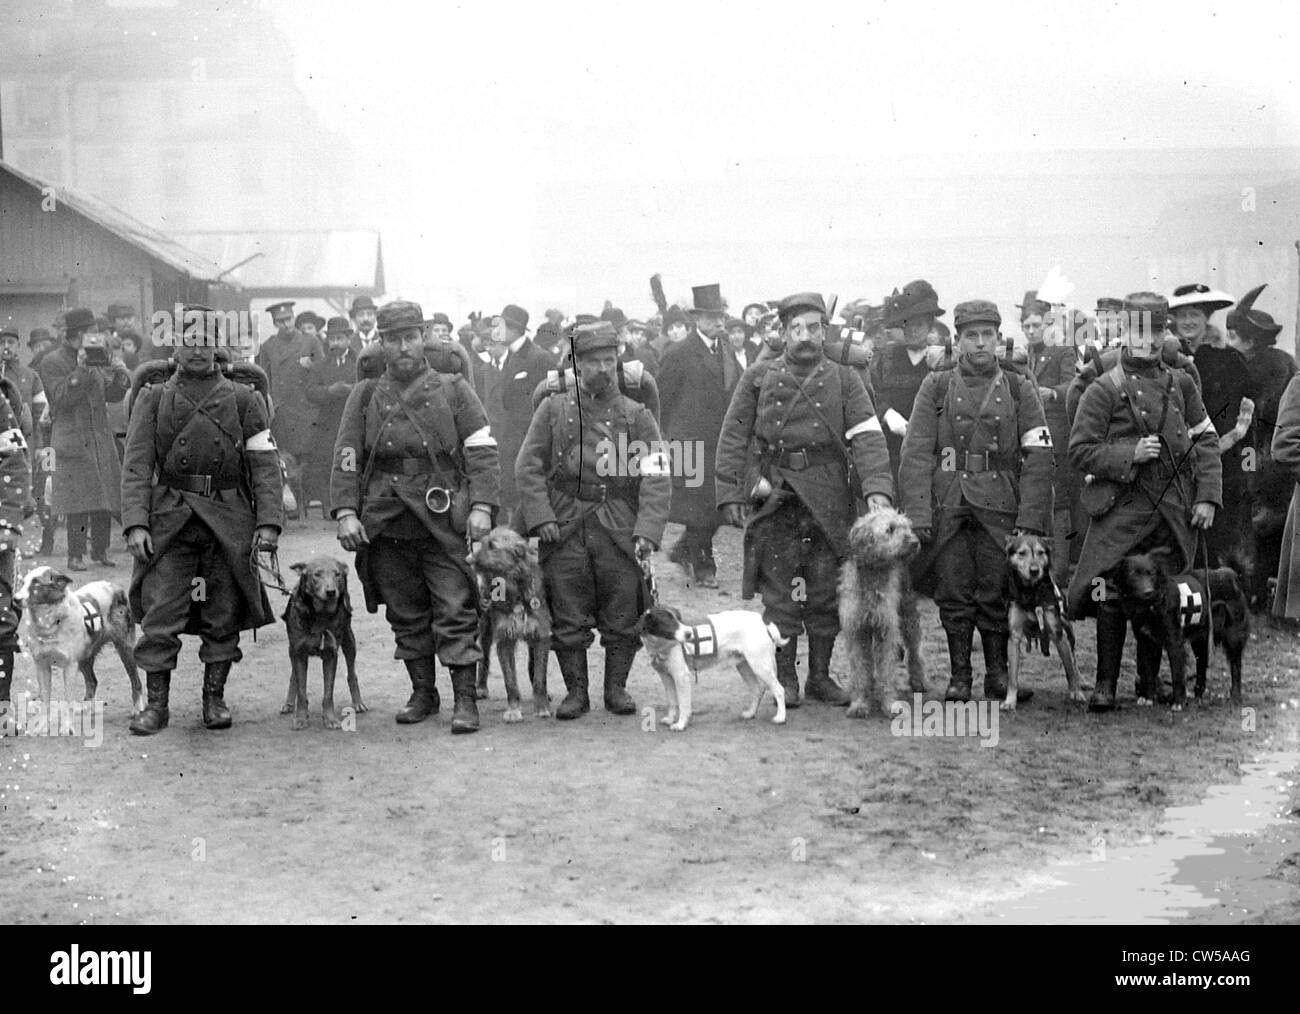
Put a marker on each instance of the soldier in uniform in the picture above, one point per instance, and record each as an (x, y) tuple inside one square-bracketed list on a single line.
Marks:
[(16, 504), (200, 490), (976, 467), (1150, 457), (87, 475), (597, 515), (897, 373), (808, 420), (413, 446), (1052, 369), (287, 358)]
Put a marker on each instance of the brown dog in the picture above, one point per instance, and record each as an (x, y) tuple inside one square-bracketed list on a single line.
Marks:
[(514, 609), (319, 621), (1036, 612)]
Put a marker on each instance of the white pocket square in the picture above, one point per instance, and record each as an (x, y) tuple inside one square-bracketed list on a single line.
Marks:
[(521, 375)]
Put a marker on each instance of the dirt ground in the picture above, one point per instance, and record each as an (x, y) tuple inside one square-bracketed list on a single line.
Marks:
[(598, 820)]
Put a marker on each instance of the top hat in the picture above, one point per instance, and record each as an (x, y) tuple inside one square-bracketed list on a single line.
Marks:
[(1209, 300), (976, 311), (285, 307), (802, 302), (707, 299), (400, 315), (361, 303), (338, 325), (515, 317), (918, 299), (79, 319)]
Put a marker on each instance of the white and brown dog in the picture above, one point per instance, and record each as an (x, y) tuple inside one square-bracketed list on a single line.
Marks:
[(737, 636), (68, 629), (878, 609)]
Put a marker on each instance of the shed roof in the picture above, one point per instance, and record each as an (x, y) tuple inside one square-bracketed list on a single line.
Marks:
[(302, 261)]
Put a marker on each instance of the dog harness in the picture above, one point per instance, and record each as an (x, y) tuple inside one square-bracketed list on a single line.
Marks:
[(92, 617), (1191, 602), (701, 641)]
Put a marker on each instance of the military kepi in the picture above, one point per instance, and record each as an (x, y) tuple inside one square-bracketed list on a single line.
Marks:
[(976, 311), (400, 316), (285, 307), (591, 337), (801, 302)]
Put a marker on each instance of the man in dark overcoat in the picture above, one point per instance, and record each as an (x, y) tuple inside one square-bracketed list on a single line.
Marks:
[(201, 491), (287, 358), (1150, 457), (901, 366), (794, 424), (328, 385), (696, 378)]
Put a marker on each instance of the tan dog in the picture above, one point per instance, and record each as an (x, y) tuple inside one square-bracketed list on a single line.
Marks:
[(878, 609), (1036, 611), (318, 618), (68, 629)]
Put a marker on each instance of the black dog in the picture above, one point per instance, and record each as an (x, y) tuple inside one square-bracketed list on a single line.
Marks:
[(1173, 609), (319, 620)]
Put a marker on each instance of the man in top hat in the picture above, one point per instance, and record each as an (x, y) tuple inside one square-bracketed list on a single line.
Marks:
[(87, 476), (794, 424), (900, 367), (328, 385), (406, 441), (975, 468), (287, 358), (594, 488), (363, 314), (515, 369), (1052, 368), (1143, 435), (201, 488), (696, 379)]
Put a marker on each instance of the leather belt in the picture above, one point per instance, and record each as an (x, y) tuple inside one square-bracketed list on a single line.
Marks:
[(981, 461), (406, 466), (193, 483), (797, 461), (594, 492)]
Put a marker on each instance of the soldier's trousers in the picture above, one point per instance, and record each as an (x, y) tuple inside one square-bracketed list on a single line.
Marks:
[(968, 576), (591, 584), (10, 613), (98, 523), (798, 572), (429, 601), (170, 596)]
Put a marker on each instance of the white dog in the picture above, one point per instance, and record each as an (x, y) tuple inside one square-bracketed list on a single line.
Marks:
[(736, 636), (68, 629)]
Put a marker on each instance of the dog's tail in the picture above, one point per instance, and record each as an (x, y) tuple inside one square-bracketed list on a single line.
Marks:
[(775, 634)]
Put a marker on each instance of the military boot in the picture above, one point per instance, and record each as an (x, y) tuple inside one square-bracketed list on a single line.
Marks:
[(996, 675), (820, 686), (464, 716), (573, 667), (1111, 631), (786, 672), (618, 663), (959, 645), (155, 714), (424, 693), (215, 713)]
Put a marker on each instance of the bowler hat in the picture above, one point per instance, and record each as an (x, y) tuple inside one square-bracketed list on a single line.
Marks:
[(802, 302), (515, 317), (1033, 304), (976, 311), (283, 307), (918, 299), (38, 335), (400, 315), (1149, 302), (599, 334), (361, 303), (338, 325), (708, 299), (79, 319), (614, 316), (1209, 300)]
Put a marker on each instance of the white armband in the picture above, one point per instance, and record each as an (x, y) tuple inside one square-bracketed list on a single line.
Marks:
[(871, 425), (11, 441), (262, 441), (1199, 428), (481, 438), (896, 423), (1039, 436)]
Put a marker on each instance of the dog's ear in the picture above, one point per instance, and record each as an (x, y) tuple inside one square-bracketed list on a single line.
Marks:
[(299, 567), (1010, 544), (60, 581)]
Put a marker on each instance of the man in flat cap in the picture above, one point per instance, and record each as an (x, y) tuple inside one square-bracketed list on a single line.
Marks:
[(594, 488), (87, 475), (696, 378), (414, 447), (363, 314), (520, 366), (899, 369), (287, 358), (201, 489), (1143, 436), (975, 468), (328, 387), (793, 426)]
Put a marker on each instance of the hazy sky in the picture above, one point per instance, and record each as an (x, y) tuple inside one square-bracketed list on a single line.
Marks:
[(468, 110)]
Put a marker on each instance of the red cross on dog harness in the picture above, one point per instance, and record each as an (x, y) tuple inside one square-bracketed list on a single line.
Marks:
[(92, 617), (1190, 605), (701, 641)]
